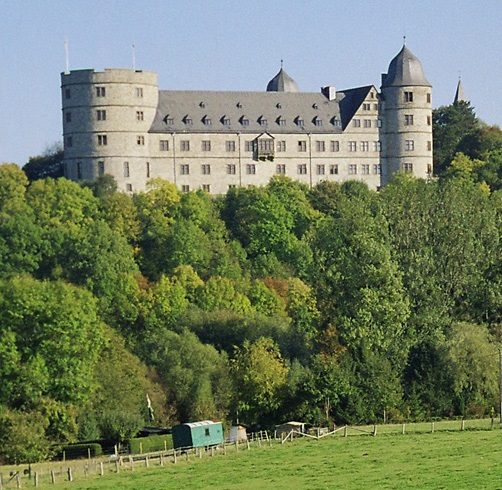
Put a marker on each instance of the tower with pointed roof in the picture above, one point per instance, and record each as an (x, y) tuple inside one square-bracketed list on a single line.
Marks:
[(459, 93), (407, 118)]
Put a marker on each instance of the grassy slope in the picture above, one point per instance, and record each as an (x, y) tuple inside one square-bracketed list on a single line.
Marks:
[(442, 460)]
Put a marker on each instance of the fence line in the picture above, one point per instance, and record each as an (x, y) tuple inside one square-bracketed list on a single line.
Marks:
[(45, 474)]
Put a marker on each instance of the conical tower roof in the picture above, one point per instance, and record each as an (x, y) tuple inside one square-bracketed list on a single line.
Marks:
[(282, 82), (459, 93), (405, 70)]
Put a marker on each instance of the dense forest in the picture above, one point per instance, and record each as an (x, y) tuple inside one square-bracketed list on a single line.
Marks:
[(272, 303)]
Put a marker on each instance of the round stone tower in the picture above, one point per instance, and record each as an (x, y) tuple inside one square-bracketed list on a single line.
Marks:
[(106, 118), (407, 118)]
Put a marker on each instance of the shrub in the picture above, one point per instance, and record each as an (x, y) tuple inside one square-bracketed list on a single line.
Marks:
[(74, 451), (150, 443)]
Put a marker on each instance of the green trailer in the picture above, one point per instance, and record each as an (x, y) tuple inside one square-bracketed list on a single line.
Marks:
[(198, 434)]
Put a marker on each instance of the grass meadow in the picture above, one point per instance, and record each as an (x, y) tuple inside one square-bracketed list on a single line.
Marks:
[(470, 459)]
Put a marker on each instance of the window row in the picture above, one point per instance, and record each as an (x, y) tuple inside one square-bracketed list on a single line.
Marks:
[(409, 120), (280, 168), (100, 91), (408, 96), (367, 123)]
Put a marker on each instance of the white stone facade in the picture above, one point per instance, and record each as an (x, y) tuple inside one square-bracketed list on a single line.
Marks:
[(117, 122)]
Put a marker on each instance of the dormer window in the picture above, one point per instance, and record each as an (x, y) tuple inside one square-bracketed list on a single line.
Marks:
[(225, 121), (300, 122), (202, 104), (188, 120), (169, 120), (315, 106), (336, 122), (317, 121), (278, 105), (238, 105), (244, 121), (206, 120), (262, 121), (281, 121)]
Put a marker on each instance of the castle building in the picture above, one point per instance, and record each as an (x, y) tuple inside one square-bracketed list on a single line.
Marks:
[(118, 122)]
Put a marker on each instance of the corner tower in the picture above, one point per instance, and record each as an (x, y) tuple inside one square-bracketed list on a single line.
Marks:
[(106, 118), (407, 118)]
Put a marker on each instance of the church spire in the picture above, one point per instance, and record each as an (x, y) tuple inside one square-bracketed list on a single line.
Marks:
[(459, 94)]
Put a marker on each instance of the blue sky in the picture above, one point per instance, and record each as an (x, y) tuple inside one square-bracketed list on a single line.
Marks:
[(238, 45)]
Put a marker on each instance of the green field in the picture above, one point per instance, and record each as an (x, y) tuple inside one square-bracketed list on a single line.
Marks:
[(459, 460)]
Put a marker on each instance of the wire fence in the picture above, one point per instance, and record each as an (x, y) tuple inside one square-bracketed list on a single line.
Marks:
[(47, 474)]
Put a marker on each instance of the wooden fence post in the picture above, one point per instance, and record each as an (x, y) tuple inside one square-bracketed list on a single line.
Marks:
[(374, 430), (237, 445), (432, 428), (101, 469), (463, 425), (147, 462), (1, 481), (174, 456), (18, 481), (117, 467), (36, 479), (161, 460), (53, 477), (140, 447), (131, 459), (64, 456), (70, 474), (88, 453), (404, 429), (165, 445)]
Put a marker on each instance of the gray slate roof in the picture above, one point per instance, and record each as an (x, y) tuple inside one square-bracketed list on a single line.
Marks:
[(186, 111), (282, 82), (405, 69)]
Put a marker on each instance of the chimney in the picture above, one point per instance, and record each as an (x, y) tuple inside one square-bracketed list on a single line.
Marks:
[(329, 92)]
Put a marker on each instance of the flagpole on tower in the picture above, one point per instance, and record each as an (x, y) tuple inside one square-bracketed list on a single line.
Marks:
[(67, 56), (134, 57)]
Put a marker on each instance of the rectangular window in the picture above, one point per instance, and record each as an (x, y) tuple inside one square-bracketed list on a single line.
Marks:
[(365, 145), (185, 188), (206, 145), (280, 169), (429, 120), (352, 169), (147, 168), (408, 96), (140, 140), (428, 98), (101, 115), (356, 123), (377, 168), (230, 145), (429, 169), (266, 145), (335, 146), (320, 146), (408, 119), (352, 146), (139, 91), (164, 145), (302, 168), (68, 117), (126, 169), (69, 141), (79, 170), (140, 116), (366, 107), (429, 145), (281, 146), (408, 168), (367, 123), (231, 168), (409, 145), (185, 145), (129, 187), (302, 145), (206, 187), (185, 169), (248, 146), (206, 169), (321, 169), (333, 169), (102, 139), (365, 168), (250, 168), (379, 123), (377, 146), (67, 93), (101, 169), (100, 92)]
